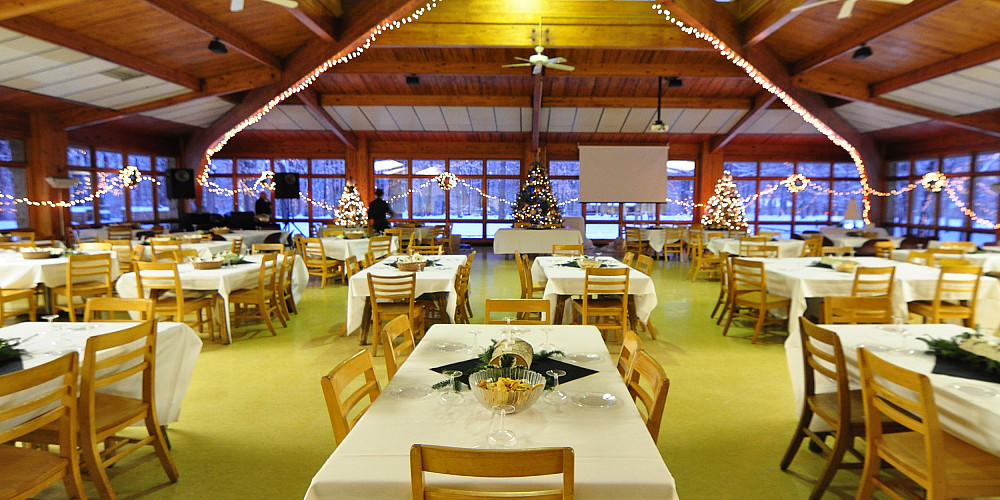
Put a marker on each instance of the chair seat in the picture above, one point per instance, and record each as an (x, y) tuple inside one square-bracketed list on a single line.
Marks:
[(82, 288), (245, 295), (753, 299), (392, 308), (965, 465), (825, 406), (926, 308), (599, 305), (169, 305), (113, 410), (24, 466)]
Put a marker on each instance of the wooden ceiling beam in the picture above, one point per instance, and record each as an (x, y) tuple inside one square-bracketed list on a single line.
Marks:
[(317, 18), (54, 34), (237, 81), (761, 103), (905, 15), (9, 9), (310, 98), (769, 18), (526, 101), (202, 22), (958, 63), (722, 69)]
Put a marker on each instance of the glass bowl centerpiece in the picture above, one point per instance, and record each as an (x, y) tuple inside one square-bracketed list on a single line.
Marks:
[(516, 386)]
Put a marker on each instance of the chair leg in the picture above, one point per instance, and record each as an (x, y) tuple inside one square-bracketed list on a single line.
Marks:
[(872, 465), (805, 417), (95, 469), (832, 465), (729, 320), (159, 443), (759, 325), (262, 307)]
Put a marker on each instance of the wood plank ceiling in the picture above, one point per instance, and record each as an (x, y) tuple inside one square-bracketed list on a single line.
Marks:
[(92, 62)]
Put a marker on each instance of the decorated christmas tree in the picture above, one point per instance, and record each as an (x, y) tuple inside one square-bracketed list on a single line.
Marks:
[(351, 211), (725, 210), (536, 205)]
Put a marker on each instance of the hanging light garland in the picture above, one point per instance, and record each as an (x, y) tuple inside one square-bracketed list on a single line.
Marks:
[(446, 181), (795, 183), (265, 181), (934, 182)]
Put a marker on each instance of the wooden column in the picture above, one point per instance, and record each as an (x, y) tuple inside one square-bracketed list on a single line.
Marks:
[(46, 156), (358, 166), (709, 170)]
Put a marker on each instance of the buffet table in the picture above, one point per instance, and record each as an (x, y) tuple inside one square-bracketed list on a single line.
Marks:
[(614, 454), (510, 240)]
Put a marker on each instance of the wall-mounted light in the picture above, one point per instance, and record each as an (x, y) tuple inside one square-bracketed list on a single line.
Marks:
[(675, 82), (863, 52), (412, 80), (217, 46)]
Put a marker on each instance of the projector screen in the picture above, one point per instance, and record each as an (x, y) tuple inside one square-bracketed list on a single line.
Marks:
[(623, 173)]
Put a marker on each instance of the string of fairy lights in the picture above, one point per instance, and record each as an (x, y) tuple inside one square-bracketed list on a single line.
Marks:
[(130, 177)]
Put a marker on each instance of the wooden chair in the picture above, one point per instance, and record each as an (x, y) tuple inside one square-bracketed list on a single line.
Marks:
[(119, 233), (759, 251), (96, 306), (723, 301), (631, 344), (751, 299), (264, 297), (380, 246), (370, 259), (673, 243), (948, 261), (329, 232), (398, 341), (525, 309), (645, 266), (398, 233), (426, 249), (267, 248), (838, 251), (86, 276), (107, 359), (183, 256), (317, 263), (8, 295), (26, 470), (162, 251), (163, 284), (964, 246), (693, 237), (633, 240), (467, 462), (841, 409), (138, 255), (286, 269), (884, 249), (954, 296), (528, 287), (567, 249), (442, 236), (341, 404), (873, 281), (605, 295), (351, 266), (767, 235), (813, 247), (939, 463), (463, 311), (123, 248), (23, 236), (921, 258), (236, 245), (95, 246), (628, 259), (855, 310), (393, 296), (648, 384), (703, 261)]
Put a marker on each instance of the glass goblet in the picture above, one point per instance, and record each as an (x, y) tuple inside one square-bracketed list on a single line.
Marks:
[(500, 436), (547, 346), (555, 396), (475, 349), (451, 397)]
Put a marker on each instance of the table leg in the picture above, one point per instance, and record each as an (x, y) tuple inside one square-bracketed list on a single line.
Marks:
[(225, 308), (366, 322), (560, 305)]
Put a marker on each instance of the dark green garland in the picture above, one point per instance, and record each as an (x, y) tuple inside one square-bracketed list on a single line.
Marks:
[(506, 361), (950, 349), (9, 349)]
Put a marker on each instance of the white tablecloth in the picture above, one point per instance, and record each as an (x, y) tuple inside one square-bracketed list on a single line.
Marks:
[(99, 234), (857, 241), (614, 454), (990, 261), (342, 248), (177, 348), (223, 280), (431, 279), (18, 272), (657, 237), (250, 236), (510, 240), (974, 419), (205, 249), (563, 280), (786, 248)]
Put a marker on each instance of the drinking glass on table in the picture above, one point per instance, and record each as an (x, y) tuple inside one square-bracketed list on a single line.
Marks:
[(547, 346), (452, 397), (474, 348), (555, 396), (500, 436)]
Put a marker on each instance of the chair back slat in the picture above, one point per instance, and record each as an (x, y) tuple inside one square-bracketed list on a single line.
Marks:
[(528, 311), (341, 405), (491, 464), (873, 281), (57, 384), (648, 384), (631, 344)]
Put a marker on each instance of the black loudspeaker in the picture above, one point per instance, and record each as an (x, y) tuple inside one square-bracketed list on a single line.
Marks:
[(286, 185), (180, 183)]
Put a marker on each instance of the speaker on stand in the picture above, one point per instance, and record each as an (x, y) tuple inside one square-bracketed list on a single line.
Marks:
[(286, 187)]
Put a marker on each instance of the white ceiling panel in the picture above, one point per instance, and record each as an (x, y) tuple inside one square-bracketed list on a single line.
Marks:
[(688, 121), (715, 120), (22, 47), (508, 119), (733, 120), (543, 120), (276, 119), (806, 128), (867, 117), (15, 68), (561, 119), (587, 120), (405, 118), (968, 91), (198, 112), (37, 82), (612, 120), (159, 90), (669, 117), (431, 118), (352, 117), (303, 117), (789, 124), (638, 120), (457, 118), (767, 121), (483, 119), (526, 119), (380, 117)]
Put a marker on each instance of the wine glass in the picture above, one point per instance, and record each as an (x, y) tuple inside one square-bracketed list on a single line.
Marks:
[(547, 346), (555, 396), (508, 331), (500, 436), (451, 397), (474, 348)]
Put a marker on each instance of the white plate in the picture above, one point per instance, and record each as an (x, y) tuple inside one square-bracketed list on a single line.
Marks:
[(411, 391), (450, 346), (875, 347), (595, 400), (972, 390), (581, 357)]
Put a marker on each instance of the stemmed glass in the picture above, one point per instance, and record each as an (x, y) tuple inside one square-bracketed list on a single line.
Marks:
[(508, 332), (547, 346), (451, 397), (474, 348), (500, 436), (555, 396), (57, 339)]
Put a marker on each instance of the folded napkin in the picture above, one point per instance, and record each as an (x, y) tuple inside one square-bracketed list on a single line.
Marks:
[(573, 372)]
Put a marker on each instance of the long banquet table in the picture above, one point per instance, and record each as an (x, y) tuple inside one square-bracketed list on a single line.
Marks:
[(614, 454), (510, 240), (989, 261), (974, 418), (177, 349), (562, 281), (786, 248), (18, 272)]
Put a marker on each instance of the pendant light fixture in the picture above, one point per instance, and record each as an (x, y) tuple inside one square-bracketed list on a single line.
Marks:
[(658, 125)]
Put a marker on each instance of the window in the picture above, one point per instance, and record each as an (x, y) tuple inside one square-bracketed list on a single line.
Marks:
[(470, 213), (13, 184)]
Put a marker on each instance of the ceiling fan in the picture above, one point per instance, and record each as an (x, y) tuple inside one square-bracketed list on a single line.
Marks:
[(847, 8), (237, 5), (539, 61)]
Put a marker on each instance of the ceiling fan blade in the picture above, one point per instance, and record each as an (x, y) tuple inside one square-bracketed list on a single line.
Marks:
[(537, 69), (522, 59), (291, 4), (897, 2), (235, 5), (516, 65), (564, 67), (556, 60), (845, 10), (811, 5)]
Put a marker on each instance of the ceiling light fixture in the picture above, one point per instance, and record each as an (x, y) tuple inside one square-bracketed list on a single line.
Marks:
[(217, 46), (863, 52), (658, 125), (675, 82), (412, 80)]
